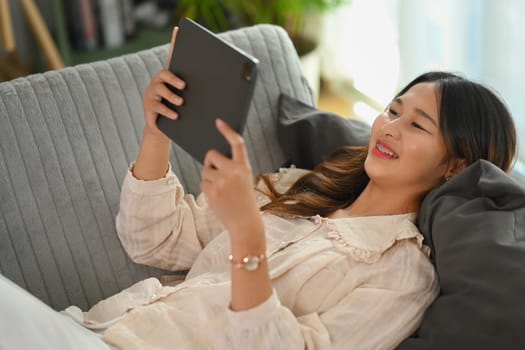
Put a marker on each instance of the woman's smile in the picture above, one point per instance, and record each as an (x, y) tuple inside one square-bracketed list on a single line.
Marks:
[(382, 150)]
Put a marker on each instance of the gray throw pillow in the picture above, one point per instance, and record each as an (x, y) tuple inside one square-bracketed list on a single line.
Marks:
[(308, 135), (475, 226)]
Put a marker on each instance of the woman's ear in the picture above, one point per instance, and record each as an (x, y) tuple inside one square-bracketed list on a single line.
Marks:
[(456, 166)]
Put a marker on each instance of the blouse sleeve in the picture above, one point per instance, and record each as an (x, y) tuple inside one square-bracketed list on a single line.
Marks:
[(159, 225), (378, 314)]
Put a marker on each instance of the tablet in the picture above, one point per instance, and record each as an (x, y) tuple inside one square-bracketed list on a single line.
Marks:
[(220, 79)]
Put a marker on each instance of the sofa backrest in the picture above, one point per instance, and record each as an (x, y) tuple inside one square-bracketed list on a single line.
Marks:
[(66, 140)]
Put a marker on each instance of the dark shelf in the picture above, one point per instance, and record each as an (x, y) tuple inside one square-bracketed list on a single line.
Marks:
[(145, 38)]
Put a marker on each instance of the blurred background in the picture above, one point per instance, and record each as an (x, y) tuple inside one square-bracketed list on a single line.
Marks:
[(356, 54)]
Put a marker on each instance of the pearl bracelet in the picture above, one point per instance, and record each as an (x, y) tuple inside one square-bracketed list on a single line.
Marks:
[(249, 262)]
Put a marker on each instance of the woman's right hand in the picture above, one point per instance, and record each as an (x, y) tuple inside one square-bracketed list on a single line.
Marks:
[(157, 89), (153, 158)]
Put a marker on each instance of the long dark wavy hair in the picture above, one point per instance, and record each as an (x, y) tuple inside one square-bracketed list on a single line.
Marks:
[(473, 120)]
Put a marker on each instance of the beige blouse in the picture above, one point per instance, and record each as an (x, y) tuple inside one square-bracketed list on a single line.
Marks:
[(346, 283)]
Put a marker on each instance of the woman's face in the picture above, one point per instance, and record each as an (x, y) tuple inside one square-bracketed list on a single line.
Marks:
[(406, 150)]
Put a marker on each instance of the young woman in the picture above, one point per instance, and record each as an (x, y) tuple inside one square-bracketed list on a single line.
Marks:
[(327, 259)]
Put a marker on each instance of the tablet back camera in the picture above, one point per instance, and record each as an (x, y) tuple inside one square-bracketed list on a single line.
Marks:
[(247, 71)]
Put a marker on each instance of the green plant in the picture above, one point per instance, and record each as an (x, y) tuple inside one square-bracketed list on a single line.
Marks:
[(220, 15), (287, 13), (211, 12)]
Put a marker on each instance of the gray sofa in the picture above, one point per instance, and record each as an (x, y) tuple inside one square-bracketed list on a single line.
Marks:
[(66, 140)]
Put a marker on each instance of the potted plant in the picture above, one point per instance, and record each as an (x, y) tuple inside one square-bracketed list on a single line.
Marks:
[(292, 15)]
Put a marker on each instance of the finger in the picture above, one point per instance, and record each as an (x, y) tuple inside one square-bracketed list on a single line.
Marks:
[(209, 173), (172, 44), (162, 109), (153, 105), (215, 160), (234, 139), (166, 76), (164, 92)]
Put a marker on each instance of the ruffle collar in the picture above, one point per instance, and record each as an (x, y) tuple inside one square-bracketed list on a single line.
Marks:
[(368, 237)]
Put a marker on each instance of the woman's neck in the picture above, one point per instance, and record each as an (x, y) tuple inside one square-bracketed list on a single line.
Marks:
[(377, 201)]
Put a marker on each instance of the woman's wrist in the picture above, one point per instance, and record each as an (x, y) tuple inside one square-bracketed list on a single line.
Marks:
[(155, 136), (153, 158), (249, 237)]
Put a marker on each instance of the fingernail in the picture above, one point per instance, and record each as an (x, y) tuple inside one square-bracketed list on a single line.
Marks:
[(180, 85), (174, 116)]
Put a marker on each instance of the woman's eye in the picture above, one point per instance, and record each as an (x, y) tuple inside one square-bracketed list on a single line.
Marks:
[(416, 125), (393, 112)]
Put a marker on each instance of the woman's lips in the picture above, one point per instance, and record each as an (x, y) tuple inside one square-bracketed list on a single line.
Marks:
[(383, 151)]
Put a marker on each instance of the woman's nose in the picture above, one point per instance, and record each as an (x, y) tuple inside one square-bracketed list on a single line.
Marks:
[(391, 128)]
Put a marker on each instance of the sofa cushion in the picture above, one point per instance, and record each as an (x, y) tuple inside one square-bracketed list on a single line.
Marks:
[(309, 135), (475, 226)]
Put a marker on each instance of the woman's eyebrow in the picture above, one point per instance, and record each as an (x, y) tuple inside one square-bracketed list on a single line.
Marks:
[(419, 111)]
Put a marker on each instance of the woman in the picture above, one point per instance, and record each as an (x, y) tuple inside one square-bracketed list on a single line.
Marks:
[(334, 262), (328, 259)]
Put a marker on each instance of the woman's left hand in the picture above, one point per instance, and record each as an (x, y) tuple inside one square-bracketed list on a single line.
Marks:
[(228, 185)]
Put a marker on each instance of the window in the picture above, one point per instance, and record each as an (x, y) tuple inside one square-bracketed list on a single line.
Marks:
[(381, 45)]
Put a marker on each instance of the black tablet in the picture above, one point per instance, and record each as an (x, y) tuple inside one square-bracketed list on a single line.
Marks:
[(220, 79)]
